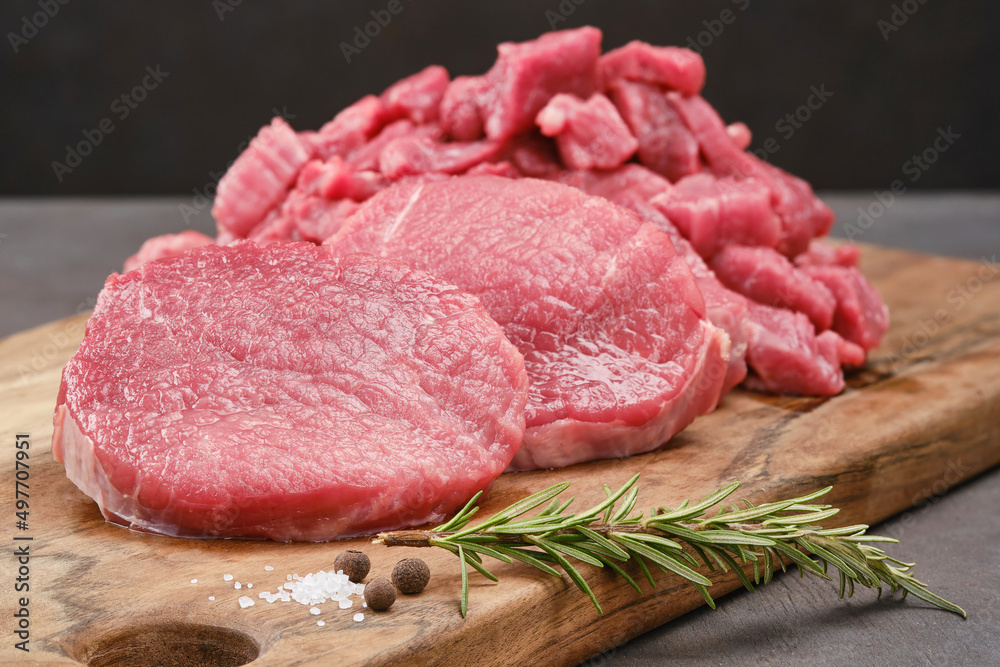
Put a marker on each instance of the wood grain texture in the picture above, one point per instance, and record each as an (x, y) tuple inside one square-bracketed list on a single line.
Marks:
[(928, 402)]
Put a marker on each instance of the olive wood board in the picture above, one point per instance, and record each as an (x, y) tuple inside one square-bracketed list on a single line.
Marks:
[(923, 415)]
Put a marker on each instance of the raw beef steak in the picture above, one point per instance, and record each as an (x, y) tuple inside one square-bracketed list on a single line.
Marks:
[(276, 392), (619, 353)]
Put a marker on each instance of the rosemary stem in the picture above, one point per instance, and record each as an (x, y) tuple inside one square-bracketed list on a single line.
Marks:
[(423, 538)]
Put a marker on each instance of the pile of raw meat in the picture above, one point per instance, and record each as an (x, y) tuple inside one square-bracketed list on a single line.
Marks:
[(638, 258)]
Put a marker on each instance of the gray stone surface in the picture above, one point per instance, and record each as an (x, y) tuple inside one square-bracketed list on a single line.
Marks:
[(55, 254)]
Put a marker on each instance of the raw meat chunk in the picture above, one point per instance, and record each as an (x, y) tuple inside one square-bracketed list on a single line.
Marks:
[(802, 215), (768, 277), (411, 156), (418, 96), (526, 75), (350, 129), (788, 358), (259, 178), (861, 316), (588, 134), (459, 114), (670, 66), (666, 145), (714, 212)]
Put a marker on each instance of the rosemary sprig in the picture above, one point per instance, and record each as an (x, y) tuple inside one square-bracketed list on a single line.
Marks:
[(764, 536)]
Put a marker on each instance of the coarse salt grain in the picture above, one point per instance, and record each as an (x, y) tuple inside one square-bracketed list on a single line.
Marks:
[(245, 602), (227, 577), (268, 568), (211, 597), (249, 585), (194, 581), (314, 611), (237, 585), (314, 589), (359, 617), (321, 623)]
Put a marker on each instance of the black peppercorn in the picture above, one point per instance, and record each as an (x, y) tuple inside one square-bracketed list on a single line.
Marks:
[(411, 575), (354, 564), (379, 594)]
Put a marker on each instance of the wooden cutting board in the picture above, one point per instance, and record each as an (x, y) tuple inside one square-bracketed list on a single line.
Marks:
[(923, 416)]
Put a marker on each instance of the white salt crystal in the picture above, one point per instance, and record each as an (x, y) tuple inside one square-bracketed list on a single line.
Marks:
[(359, 617), (194, 581), (211, 597), (288, 577), (314, 611), (245, 602), (321, 623), (316, 588), (364, 604), (249, 585), (227, 577), (237, 585), (268, 568)]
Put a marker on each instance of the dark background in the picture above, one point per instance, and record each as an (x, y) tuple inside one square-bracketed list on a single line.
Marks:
[(226, 75)]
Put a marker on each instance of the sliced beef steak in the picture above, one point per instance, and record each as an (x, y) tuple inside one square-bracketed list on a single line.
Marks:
[(276, 392), (619, 353)]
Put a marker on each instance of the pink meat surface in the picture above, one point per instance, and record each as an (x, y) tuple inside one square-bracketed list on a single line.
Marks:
[(418, 96), (767, 277), (459, 113), (802, 215), (350, 129), (670, 66), (666, 145), (824, 254), (618, 351), (725, 308), (589, 135), (526, 75), (259, 178), (713, 212), (861, 317), (631, 186), (788, 358), (167, 245), (365, 157), (534, 155), (691, 175), (276, 392), (410, 156)]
